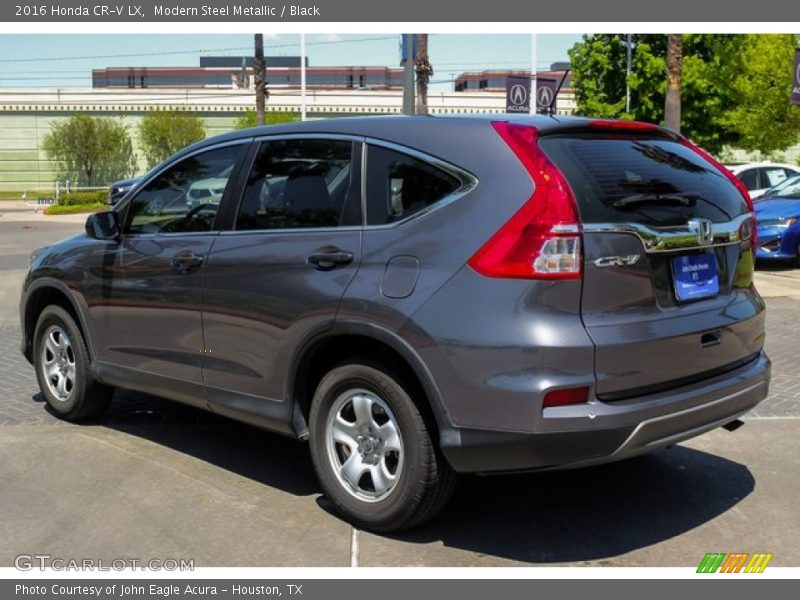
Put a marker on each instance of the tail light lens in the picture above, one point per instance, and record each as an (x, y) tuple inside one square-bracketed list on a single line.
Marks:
[(542, 240), (748, 229)]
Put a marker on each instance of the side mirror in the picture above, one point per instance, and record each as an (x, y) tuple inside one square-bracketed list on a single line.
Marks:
[(103, 225)]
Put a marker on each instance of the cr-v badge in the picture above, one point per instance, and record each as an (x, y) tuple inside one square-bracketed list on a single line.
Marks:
[(617, 261)]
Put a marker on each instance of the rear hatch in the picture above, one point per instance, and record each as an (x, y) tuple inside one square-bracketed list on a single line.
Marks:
[(668, 296)]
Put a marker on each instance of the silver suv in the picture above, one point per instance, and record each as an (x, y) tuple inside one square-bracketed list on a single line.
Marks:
[(419, 297)]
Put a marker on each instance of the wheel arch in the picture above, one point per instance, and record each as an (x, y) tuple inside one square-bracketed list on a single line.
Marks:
[(44, 293), (359, 339)]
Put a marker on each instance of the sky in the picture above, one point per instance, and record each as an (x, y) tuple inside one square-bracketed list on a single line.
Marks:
[(65, 61)]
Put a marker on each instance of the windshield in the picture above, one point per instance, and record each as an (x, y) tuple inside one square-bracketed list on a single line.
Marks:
[(787, 189)]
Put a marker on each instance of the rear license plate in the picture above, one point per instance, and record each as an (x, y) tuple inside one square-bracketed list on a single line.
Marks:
[(695, 276)]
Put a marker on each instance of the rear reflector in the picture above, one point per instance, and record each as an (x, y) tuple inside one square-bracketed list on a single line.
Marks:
[(542, 240), (566, 397)]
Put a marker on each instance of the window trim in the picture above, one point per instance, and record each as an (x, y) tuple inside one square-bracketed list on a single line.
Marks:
[(165, 166)]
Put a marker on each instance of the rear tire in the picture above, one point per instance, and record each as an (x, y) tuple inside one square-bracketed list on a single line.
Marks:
[(373, 451), (63, 369)]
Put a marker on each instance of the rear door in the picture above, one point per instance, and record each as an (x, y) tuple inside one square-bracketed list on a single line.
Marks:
[(277, 277), (668, 262)]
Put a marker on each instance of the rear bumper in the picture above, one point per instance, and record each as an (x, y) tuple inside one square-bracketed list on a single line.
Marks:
[(600, 432)]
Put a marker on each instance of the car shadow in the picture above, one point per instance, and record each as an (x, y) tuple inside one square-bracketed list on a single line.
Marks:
[(589, 514), (586, 514)]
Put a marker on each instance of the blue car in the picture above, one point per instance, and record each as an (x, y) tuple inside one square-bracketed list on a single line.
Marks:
[(778, 216)]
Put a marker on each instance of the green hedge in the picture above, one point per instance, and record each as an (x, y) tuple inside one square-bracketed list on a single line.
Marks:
[(78, 198), (61, 209)]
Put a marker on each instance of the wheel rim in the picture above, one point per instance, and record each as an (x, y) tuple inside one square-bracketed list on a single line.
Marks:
[(58, 363), (364, 445)]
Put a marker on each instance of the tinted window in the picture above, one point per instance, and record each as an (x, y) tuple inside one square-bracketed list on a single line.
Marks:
[(186, 197), (301, 183), (749, 178), (652, 181), (399, 185)]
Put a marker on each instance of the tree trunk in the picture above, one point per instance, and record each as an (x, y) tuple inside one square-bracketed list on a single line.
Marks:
[(260, 79), (674, 59), (424, 70)]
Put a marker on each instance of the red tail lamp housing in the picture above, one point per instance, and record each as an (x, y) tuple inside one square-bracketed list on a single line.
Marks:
[(542, 240)]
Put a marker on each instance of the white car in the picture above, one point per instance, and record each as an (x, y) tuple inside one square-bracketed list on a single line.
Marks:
[(759, 177)]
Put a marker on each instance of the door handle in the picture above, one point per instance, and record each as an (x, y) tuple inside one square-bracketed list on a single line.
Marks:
[(327, 260), (186, 262)]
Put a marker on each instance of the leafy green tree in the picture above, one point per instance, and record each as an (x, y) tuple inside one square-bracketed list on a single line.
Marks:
[(163, 132), (90, 150), (762, 114), (734, 88), (249, 118)]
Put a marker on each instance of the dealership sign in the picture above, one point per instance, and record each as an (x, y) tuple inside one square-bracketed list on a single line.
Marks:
[(546, 90), (518, 94), (796, 79)]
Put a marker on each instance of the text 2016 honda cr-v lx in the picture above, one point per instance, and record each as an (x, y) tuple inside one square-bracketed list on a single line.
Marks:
[(418, 297)]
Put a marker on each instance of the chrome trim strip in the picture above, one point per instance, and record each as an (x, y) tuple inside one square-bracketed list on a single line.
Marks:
[(682, 237)]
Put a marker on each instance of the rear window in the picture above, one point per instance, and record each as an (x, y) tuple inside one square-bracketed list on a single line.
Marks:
[(655, 182)]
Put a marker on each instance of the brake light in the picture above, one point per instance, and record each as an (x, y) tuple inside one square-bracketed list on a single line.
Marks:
[(623, 125), (542, 239), (565, 397), (748, 229)]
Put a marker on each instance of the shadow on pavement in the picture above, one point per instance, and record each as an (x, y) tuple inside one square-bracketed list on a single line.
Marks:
[(589, 514), (549, 517), (270, 459)]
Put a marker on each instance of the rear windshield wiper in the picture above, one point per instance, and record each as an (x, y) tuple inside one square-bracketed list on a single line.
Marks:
[(685, 199)]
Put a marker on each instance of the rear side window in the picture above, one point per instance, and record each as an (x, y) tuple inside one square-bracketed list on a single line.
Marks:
[(301, 183), (399, 185), (655, 182)]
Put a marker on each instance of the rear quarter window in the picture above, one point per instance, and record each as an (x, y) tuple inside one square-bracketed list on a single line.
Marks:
[(667, 182)]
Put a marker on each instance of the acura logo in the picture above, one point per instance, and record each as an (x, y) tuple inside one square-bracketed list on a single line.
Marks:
[(703, 229), (518, 94), (544, 96)]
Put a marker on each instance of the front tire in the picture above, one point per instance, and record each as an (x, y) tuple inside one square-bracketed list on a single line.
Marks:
[(373, 451), (63, 370)]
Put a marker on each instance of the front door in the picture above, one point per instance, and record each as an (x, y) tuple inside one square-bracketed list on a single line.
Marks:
[(154, 323)]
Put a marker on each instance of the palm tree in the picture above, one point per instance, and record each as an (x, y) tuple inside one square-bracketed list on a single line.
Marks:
[(424, 70), (674, 60)]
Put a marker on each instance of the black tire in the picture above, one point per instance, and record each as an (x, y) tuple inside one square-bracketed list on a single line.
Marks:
[(426, 481), (86, 398)]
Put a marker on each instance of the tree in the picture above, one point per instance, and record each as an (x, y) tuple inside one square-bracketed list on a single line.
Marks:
[(766, 121), (90, 150), (734, 88), (674, 64), (249, 118), (424, 70), (162, 133)]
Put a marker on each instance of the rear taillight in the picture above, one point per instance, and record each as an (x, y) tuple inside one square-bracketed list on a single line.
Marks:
[(543, 238), (748, 228), (622, 125)]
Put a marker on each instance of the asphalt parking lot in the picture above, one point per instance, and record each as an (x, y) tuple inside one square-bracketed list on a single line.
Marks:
[(154, 479)]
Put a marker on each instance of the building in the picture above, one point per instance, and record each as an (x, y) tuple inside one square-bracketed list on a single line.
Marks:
[(233, 72), (494, 80)]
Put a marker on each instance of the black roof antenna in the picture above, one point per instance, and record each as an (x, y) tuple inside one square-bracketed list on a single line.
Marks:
[(551, 109)]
